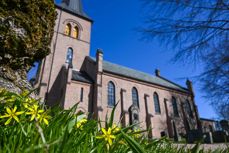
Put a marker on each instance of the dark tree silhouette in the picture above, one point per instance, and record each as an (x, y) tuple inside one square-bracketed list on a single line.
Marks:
[(26, 30), (215, 79), (199, 32)]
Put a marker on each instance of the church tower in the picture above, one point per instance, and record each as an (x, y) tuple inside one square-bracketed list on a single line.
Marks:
[(70, 45)]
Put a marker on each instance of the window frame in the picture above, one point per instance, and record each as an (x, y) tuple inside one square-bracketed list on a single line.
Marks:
[(135, 97), (81, 94), (157, 106), (74, 30), (69, 60), (111, 94), (68, 27), (175, 107)]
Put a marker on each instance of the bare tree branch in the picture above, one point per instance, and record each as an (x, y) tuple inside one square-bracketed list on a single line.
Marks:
[(198, 30)]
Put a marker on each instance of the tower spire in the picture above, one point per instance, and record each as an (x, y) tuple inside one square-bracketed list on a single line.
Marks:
[(74, 6)]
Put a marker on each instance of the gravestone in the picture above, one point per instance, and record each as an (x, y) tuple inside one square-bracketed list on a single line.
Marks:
[(194, 135), (219, 136), (225, 125), (208, 137)]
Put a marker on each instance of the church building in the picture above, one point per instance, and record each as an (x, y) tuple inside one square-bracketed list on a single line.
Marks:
[(68, 75)]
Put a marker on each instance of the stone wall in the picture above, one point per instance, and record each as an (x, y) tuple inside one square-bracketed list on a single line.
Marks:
[(73, 96)]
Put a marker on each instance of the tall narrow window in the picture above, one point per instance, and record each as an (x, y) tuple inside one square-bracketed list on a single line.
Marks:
[(135, 97), (175, 108), (111, 94), (156, 103), (76, 32), (68, 29), (81, 94), (188, 108), (69, 55)]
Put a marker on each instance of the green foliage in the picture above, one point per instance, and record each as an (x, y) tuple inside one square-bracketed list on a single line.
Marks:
[(26, 30), (70, 132)]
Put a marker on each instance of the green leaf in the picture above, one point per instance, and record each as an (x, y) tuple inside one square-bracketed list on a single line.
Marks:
[(133, 144), (196, 148), (71, 125), (112, 116)]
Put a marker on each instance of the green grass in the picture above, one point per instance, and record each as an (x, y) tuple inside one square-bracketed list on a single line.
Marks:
[(66, 131)]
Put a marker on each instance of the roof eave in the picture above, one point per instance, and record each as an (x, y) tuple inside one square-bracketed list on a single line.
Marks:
[(206, 119), (172, 83), (82, 81), (186, 92)]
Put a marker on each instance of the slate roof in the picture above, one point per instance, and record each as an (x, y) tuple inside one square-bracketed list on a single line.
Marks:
[(75, 7), (138, 75), (131, 73), (80, 76)]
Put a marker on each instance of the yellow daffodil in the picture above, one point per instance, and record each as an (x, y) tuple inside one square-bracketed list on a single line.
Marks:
[(26, 102), (34, 112), (29, 101), (115, 128), (11, 114), (107, 136), (81, 122), (137, 133), (44, 117)]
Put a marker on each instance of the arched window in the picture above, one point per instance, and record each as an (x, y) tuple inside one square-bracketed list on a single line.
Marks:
[(76, 32), (69, 55), (188, 108), (68, 29), (111, 94), (81, 94), (156, 103), (135, 97), (175, 109)]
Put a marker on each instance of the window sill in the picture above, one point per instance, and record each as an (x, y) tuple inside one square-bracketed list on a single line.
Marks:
[(71, 36), (110, 106)]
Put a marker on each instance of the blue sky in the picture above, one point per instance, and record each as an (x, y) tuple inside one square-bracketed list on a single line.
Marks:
[(115, 31)]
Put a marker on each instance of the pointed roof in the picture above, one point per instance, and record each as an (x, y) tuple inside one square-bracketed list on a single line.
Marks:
[(75, 7)]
